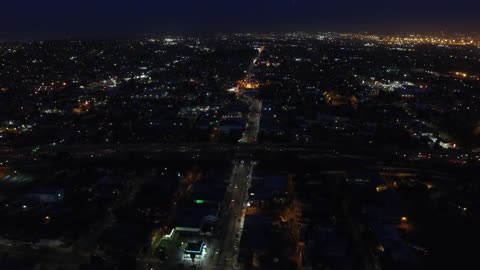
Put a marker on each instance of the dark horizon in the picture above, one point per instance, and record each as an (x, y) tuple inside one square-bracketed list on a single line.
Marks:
[(29, 19), (206, 33)]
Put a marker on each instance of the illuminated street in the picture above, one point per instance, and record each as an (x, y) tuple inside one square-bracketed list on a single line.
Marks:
[(253, 121), (252, 126), (232, 223)]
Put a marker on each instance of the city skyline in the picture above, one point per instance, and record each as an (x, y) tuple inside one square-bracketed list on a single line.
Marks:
[(63, 19), (244, 135)]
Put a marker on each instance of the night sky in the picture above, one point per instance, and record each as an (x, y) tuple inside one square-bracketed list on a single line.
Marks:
[(25, 19)]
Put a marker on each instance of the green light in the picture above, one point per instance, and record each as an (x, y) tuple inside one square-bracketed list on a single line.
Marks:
[(199, 201)]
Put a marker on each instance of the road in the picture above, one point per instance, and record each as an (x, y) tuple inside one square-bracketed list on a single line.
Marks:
[(228, 240), (252, 125)]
